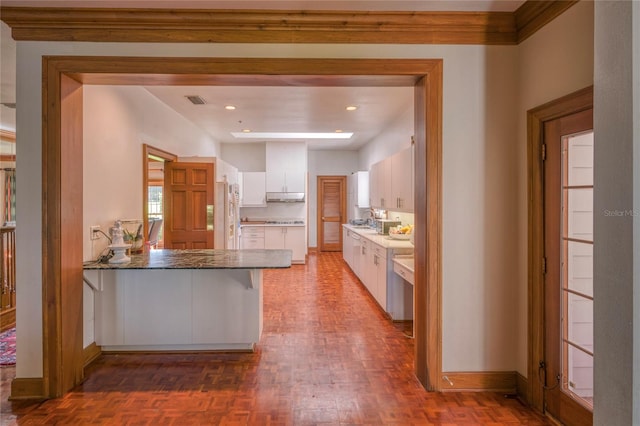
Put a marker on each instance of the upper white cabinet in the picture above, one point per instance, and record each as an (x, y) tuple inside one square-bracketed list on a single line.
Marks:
[(402, 181), (253, 192), (358, 189), (380, 184), (286, 165), (285, 181), (391, 182)]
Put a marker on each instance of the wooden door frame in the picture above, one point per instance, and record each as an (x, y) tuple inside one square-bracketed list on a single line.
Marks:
[(575, 102), (343, 202), (166, 156), (62, 234)]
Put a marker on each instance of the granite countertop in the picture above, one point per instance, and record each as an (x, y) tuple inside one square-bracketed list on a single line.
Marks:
[(383, 240), (202, 259)]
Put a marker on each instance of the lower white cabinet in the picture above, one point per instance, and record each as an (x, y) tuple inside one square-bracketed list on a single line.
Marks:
[(252, 237), (379, 266), (347, 246), (375, 276), (373, 265), (287, 237)]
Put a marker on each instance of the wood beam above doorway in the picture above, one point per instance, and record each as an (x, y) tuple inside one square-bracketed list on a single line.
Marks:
[(280, 26)]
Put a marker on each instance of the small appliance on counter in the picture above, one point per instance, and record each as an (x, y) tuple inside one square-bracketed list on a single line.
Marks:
[(383, 225)]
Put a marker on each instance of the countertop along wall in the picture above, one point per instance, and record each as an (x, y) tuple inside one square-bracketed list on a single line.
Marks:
[(479, 109)]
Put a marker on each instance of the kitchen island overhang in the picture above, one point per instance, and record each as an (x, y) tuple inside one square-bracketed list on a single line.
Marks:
[(181, 300)]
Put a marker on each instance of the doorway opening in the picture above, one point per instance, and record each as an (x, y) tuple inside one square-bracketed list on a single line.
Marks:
[(62, 143), (332, 211), (153, 164), (561, 258)]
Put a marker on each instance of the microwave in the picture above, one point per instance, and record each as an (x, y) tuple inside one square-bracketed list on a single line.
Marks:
[(383, 225)]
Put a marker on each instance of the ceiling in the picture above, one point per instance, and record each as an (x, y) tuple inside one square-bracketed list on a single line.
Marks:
[(267, 109)]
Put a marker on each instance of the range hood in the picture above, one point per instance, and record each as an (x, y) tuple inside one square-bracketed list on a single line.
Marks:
[(285, 197)]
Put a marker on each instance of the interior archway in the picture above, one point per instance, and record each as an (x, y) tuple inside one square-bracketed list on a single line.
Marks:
[(64, 78)]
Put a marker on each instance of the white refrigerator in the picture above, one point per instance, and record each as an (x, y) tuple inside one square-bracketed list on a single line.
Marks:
[(227, 216)]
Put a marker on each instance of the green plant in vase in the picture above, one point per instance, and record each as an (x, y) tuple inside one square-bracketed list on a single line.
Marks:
[(135, 239)]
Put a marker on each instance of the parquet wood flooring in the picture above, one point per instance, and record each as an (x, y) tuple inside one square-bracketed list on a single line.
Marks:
[(328, 355)]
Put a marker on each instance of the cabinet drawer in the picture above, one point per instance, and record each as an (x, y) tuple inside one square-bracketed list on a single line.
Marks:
[(252, 243), (253, 232), (403, 271)]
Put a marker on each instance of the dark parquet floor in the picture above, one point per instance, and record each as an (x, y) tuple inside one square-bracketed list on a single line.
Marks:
[(327, 356)]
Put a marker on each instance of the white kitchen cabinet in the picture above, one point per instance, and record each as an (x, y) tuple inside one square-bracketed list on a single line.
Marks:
[(371, 259), (362, 261), (252, 237), (253, 190), (356, 254), (375, 272), (288, 238), (285, 181), (391, 182), (380, 266), (347, 246), (380, 184), (286, 165), (357, 193), (402, 181)]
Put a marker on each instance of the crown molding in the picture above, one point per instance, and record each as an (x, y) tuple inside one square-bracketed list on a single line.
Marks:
[(276, 26), (258, 26), (533, 15)]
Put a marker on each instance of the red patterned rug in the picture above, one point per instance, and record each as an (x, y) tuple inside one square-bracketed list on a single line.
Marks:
[(8, 347)]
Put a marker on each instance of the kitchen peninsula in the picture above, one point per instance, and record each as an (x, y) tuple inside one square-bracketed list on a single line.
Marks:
[(181, 300)]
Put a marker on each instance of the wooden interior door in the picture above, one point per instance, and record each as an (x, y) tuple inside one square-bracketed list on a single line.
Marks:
[(567, 370), (188, 206), (332, 202)]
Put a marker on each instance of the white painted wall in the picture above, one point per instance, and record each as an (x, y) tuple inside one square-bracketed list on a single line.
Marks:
[(481, 205), (118, 120), (395, 137), (325, 163), (555, 61), (247, 157), (617, 214)]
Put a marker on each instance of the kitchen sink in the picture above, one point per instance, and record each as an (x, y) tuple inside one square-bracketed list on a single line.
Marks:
[(361, 226)]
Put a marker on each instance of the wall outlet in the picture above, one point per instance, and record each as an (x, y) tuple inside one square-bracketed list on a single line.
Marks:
[(94, 232)]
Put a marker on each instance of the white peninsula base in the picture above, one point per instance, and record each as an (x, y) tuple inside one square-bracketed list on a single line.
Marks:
[(166, 310)]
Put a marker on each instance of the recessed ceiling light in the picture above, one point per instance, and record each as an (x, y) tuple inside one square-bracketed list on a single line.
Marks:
[(292, 135), (351, 108), (229, 107), (246, 130), (338, 131)]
